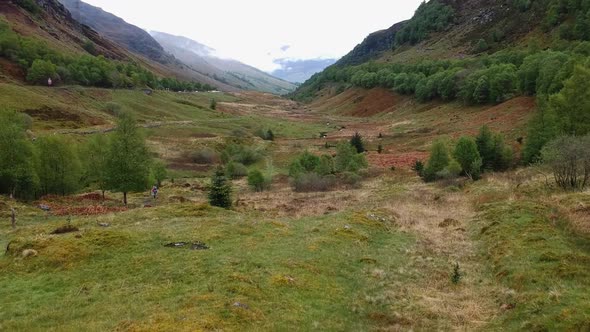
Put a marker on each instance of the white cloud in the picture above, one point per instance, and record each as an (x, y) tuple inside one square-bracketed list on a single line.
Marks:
[(257, 31)]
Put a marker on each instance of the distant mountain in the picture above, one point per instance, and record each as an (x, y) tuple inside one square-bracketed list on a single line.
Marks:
[(299, 71), (231, 72), (116, 29), (137, 41)]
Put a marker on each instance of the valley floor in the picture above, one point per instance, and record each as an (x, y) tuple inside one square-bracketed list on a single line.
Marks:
[(381, 257)]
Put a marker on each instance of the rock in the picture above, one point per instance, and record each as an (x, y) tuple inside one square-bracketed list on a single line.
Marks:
[(175, 244), (104, 224), (30, 253), (198, 245), (241, 305)]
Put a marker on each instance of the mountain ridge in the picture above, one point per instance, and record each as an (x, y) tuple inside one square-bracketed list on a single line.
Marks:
[(232, 72)]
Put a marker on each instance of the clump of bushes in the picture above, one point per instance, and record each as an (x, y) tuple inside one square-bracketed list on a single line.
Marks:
[(257, 181), (235, 170), (204, 156), (310, 172), (240, 153), (313, 182), (267, 135), (470, 157)]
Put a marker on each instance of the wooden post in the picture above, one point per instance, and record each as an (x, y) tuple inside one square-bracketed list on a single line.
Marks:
[(13, 217)]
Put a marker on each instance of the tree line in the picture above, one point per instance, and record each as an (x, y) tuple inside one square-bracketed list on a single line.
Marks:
[(40, 63), (31, 168)]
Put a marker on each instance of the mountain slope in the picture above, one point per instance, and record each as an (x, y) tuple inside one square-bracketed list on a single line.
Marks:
[(48, 26), (116, 29), (373, 46), (228, 71), (459, 41)]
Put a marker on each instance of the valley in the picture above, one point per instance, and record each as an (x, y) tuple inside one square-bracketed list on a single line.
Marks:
[(375, 257), (434, 178)]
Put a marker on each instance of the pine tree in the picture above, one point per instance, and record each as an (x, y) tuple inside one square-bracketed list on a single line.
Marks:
[(220, 190), (128, 160), (466, 155), (357, 142)]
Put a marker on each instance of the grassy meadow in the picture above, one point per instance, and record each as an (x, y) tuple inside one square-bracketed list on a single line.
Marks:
[(395, 254)]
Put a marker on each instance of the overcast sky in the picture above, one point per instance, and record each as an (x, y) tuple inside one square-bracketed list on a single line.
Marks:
[(258, 31)]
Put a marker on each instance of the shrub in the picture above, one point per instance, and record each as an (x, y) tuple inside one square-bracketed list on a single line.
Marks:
[(569, 159), (452, 171), (481, 46), (257, 181), (305, 163), (351, 179), (235, 170), (325, 166), (348, 159), (220, 190), (418, 167), (204, 156), (241, 154), (213, 104), (113, 109), (312, 182)]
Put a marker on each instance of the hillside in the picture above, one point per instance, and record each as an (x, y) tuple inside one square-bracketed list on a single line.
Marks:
[(46, 30), (116, 29), (453, 34), (202, 58)]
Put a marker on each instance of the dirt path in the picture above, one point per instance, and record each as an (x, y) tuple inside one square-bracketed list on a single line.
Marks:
[(108, 129)]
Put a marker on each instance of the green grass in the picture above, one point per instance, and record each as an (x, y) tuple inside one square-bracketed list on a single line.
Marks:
[(544, 266), (305, 274)]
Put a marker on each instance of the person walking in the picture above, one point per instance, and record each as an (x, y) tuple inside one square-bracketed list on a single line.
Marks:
[(155, 192)]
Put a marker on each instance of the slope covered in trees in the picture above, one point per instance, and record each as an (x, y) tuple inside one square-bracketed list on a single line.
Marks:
[(479, 52)]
